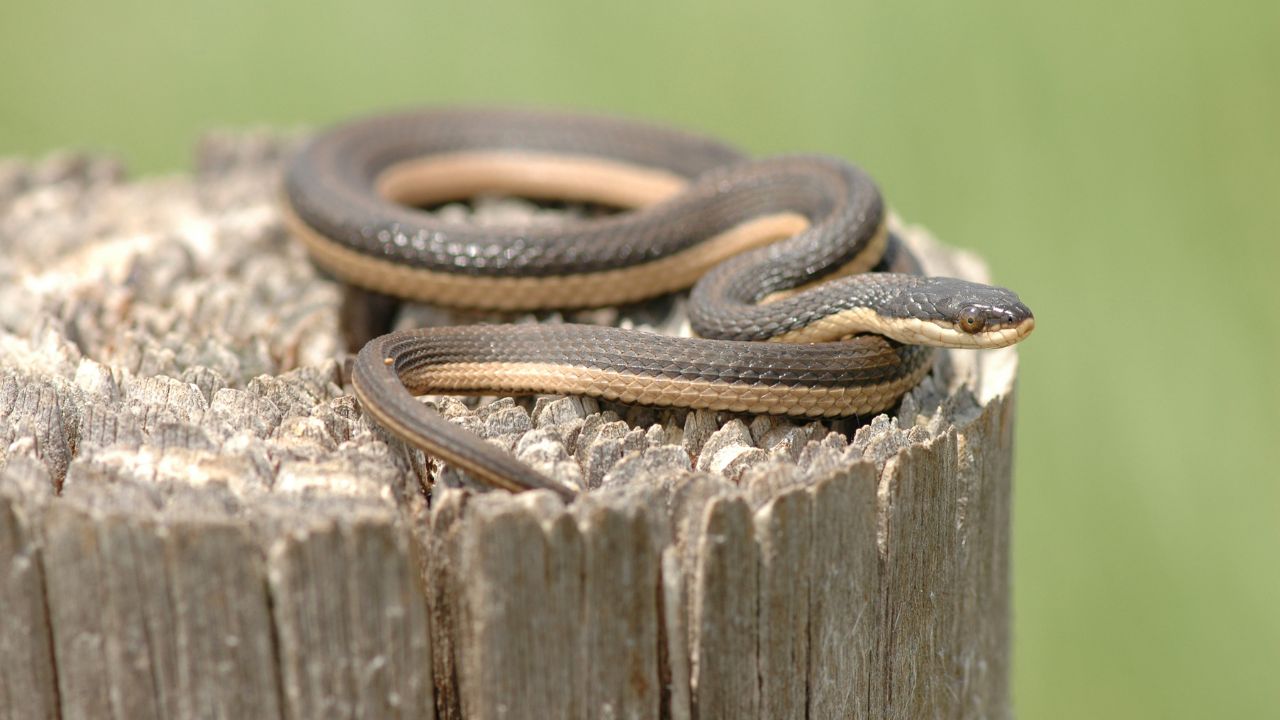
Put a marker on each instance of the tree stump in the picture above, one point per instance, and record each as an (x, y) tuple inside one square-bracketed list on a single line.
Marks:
[(196, 520)]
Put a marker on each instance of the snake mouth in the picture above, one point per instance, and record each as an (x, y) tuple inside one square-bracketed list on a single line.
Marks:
[(916, 331), (1025, 327), (1002, 336)]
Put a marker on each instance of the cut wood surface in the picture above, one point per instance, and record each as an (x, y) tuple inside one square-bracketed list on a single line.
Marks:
[(196, 519)]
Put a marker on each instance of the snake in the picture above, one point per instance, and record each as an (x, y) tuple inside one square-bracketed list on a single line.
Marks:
[(803, 301)]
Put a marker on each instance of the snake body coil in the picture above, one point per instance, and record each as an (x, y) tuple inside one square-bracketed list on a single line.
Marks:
[(790, 320)]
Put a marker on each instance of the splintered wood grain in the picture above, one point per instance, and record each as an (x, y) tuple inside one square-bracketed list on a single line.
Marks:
[(27, 683), (226, 664), (391, 645), (315, 666), (919, 598), (351, 621), (74, 558), (522, 647), (35, 410), (620, 623), (986, 472), (140, 651), (784, 528), (443, 565), (677, 694), (725, 609), (844, 599), (157, 620)]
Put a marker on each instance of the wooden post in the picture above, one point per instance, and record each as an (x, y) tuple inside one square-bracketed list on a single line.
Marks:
[(196, 519)]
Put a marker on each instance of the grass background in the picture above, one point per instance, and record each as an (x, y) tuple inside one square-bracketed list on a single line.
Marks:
[(1116, 161)]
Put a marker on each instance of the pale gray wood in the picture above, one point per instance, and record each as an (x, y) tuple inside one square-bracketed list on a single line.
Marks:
[(725, 611), (391, 643), (563, 587), (521, 631), (986, 468), (27, 684), (784, 527), (675, 636), (351, 620), (919, 600), (74, 560), (226, 663), (141, 654), (36, 410), (313, 629), (443, 549), (156, 619), (844, 602), (620, 620)]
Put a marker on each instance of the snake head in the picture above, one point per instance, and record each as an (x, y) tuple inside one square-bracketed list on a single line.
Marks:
[(948, 312)]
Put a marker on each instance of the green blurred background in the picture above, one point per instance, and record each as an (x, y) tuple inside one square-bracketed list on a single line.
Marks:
[(1117, 162)]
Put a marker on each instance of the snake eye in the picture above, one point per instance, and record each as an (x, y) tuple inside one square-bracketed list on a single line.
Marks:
[(971, 321)]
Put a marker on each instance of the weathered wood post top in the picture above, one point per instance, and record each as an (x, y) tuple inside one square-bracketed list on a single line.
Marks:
[(197, 520)]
